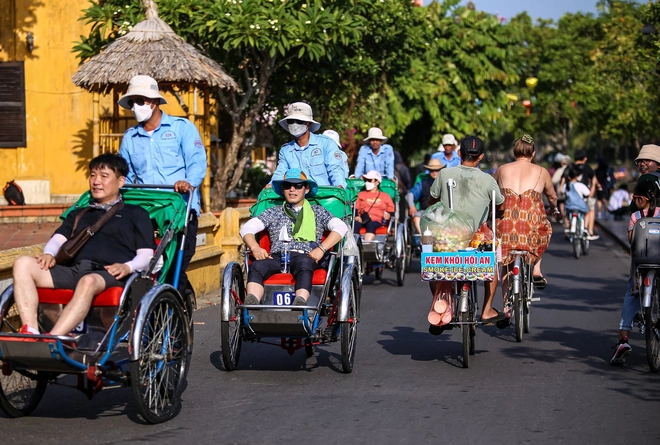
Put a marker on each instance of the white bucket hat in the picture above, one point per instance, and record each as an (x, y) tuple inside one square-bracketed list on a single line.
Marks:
[(141, 86), (302, 112), (332, 134), (375, 133), (649, 151), (449, 139), (373, 174)]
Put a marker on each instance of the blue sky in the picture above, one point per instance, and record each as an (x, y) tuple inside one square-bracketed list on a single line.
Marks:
[(547, 9)]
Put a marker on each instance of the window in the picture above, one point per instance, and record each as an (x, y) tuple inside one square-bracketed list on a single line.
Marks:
[(12, 104)]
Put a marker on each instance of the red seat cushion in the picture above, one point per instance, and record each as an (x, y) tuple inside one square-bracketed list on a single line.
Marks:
[(109, 297), (382, 230), (287, 279)]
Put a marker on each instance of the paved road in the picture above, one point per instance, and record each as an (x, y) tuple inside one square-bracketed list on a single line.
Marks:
[(407, 386)]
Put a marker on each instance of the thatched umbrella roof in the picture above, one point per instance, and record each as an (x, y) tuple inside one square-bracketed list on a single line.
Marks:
[(154, 49)]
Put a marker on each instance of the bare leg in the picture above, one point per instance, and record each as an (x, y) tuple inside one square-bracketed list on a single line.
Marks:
[(255, 289), (27, 277), (369, 236), (303, 293), (77, 309), (537, 269), (416, 220), (623, 334), (506, 271), (490, 288), (589, 221)]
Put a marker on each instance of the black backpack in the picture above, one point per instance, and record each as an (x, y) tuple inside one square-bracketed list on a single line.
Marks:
[(13, 194)]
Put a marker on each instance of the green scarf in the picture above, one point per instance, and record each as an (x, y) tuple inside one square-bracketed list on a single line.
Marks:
[(304, 228)]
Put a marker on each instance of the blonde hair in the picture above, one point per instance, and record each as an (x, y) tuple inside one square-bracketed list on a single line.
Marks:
[(523, 147)]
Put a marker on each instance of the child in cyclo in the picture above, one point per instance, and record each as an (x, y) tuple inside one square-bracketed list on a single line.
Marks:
[(473, 195), (301, 225), (576, 194), (645, 200)]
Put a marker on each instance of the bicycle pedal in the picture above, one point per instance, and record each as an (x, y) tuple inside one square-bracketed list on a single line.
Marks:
[(536, 299)]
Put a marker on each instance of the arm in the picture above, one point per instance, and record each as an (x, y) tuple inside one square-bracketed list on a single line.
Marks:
[(549, 189), (47, 259), (359, 168), (338, 229), (124, 153), (389, 164), (595, 185), (334, 164), (282, 165), (436, 189), (194, 156), (248, 232)]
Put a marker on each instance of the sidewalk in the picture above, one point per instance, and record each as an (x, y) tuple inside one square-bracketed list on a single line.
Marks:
[(617, 230), (14, 235)]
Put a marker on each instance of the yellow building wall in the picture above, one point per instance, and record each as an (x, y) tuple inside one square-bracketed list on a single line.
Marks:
[(58, 114)]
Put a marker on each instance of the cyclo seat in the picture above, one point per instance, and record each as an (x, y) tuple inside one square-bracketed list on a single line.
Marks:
[(383, 230), (109, 297)]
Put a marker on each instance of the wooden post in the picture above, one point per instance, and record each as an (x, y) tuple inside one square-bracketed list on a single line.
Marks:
[(96, 134)]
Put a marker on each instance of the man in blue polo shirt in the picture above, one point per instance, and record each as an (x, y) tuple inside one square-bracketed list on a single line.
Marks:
[(314, 154), (375, 155), (163, 149), (447, 152)]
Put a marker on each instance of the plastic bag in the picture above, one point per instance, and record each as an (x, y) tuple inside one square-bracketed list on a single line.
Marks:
[(350, 245), (452, 230), (442, 309)]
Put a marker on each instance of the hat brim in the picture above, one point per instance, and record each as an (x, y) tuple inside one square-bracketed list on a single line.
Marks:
[(382, 139), (363, 177), (434, 167), (313, 186), (314, 127), (123, 102)]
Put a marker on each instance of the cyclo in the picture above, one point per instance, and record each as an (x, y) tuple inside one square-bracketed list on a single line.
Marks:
[(392, 247), (335, 295), (452, 267), (147, 315)]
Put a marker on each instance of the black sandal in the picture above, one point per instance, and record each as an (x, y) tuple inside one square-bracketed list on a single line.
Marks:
[(540, 282)]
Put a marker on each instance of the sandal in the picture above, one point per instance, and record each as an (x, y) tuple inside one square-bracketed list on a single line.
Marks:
[(540, 282), (491, 320)]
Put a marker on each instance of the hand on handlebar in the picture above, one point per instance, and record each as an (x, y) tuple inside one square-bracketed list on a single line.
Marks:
[(386, 216), (412, 210), (183, 186), (260, 253)]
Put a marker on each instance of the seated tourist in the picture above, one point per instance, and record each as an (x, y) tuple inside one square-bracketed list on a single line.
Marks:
[(123, 245), (297, 226), (374, 207)]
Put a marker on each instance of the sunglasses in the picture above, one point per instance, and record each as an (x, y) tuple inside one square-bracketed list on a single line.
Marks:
[(139, 101), (297, 185), (639, 197), (370, 180), (295, 121), (643, 161)]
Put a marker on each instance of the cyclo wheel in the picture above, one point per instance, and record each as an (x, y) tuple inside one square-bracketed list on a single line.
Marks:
[(465, 330), (408, 246), (348, 332), (652, 329), (158, 376), (230, 331), (400, 271), (20, 391)]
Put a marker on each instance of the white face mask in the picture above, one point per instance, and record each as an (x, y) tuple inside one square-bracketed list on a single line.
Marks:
[(297, 130), (142, 113), (369, 185)]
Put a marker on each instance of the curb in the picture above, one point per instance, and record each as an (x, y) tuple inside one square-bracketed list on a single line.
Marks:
[(620, 242)]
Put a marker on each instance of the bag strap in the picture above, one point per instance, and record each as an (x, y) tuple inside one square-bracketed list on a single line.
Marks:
[(104, 219), (77, 220), (372, 204)]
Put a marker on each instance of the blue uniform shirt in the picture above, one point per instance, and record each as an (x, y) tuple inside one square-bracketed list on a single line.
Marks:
[(173, 152), (454, 162), (321, 161), (383, 162)]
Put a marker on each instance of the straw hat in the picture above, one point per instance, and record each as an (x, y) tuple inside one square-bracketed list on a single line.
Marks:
[(434, 165)]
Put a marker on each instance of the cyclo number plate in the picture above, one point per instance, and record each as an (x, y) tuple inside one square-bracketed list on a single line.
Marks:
[(283, 298), (458, 266), (81, 328)]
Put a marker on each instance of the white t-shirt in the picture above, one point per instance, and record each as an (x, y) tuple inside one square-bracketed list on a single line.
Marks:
[(617, 200), (582, 189)]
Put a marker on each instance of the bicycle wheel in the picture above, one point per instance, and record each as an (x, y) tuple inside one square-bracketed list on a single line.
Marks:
[(158, 375), (20, 391), (577, 247), (585, 244), (518, 314), (465, 329), (400, 271), (473, 318), (528, 290), (230, 331), (652, 329), (348, 332)]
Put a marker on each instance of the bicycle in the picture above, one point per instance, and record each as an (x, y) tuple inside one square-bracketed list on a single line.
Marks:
[(520, 291), (578, 235), (645, 249)]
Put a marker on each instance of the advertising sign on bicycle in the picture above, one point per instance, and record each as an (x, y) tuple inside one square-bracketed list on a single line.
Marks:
[(458, 266)]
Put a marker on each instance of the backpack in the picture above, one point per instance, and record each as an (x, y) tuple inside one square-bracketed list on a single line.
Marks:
[(610, 182), (574, 200), (13, 194)]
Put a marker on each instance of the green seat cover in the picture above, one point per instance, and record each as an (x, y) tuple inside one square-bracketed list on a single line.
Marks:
[(336, 200), (164, 208)]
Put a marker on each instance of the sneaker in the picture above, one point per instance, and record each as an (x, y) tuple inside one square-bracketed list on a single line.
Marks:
[(25, 329), (251, 300), (622, 349), (593, 237), (299, 301)]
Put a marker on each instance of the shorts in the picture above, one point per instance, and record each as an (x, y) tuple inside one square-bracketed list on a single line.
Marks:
[(591, 203), (67, 277)]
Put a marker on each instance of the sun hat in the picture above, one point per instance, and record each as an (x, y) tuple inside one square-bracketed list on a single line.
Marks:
[(434, 165), (332, 134), (559, 157), (649, 151), (375, 133), (449, 139), (302, 112), (472, 146), (373, 174), (295, 176), (141, 86)]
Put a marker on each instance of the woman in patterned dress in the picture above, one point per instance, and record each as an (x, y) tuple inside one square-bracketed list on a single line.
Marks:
[(525, 225)]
